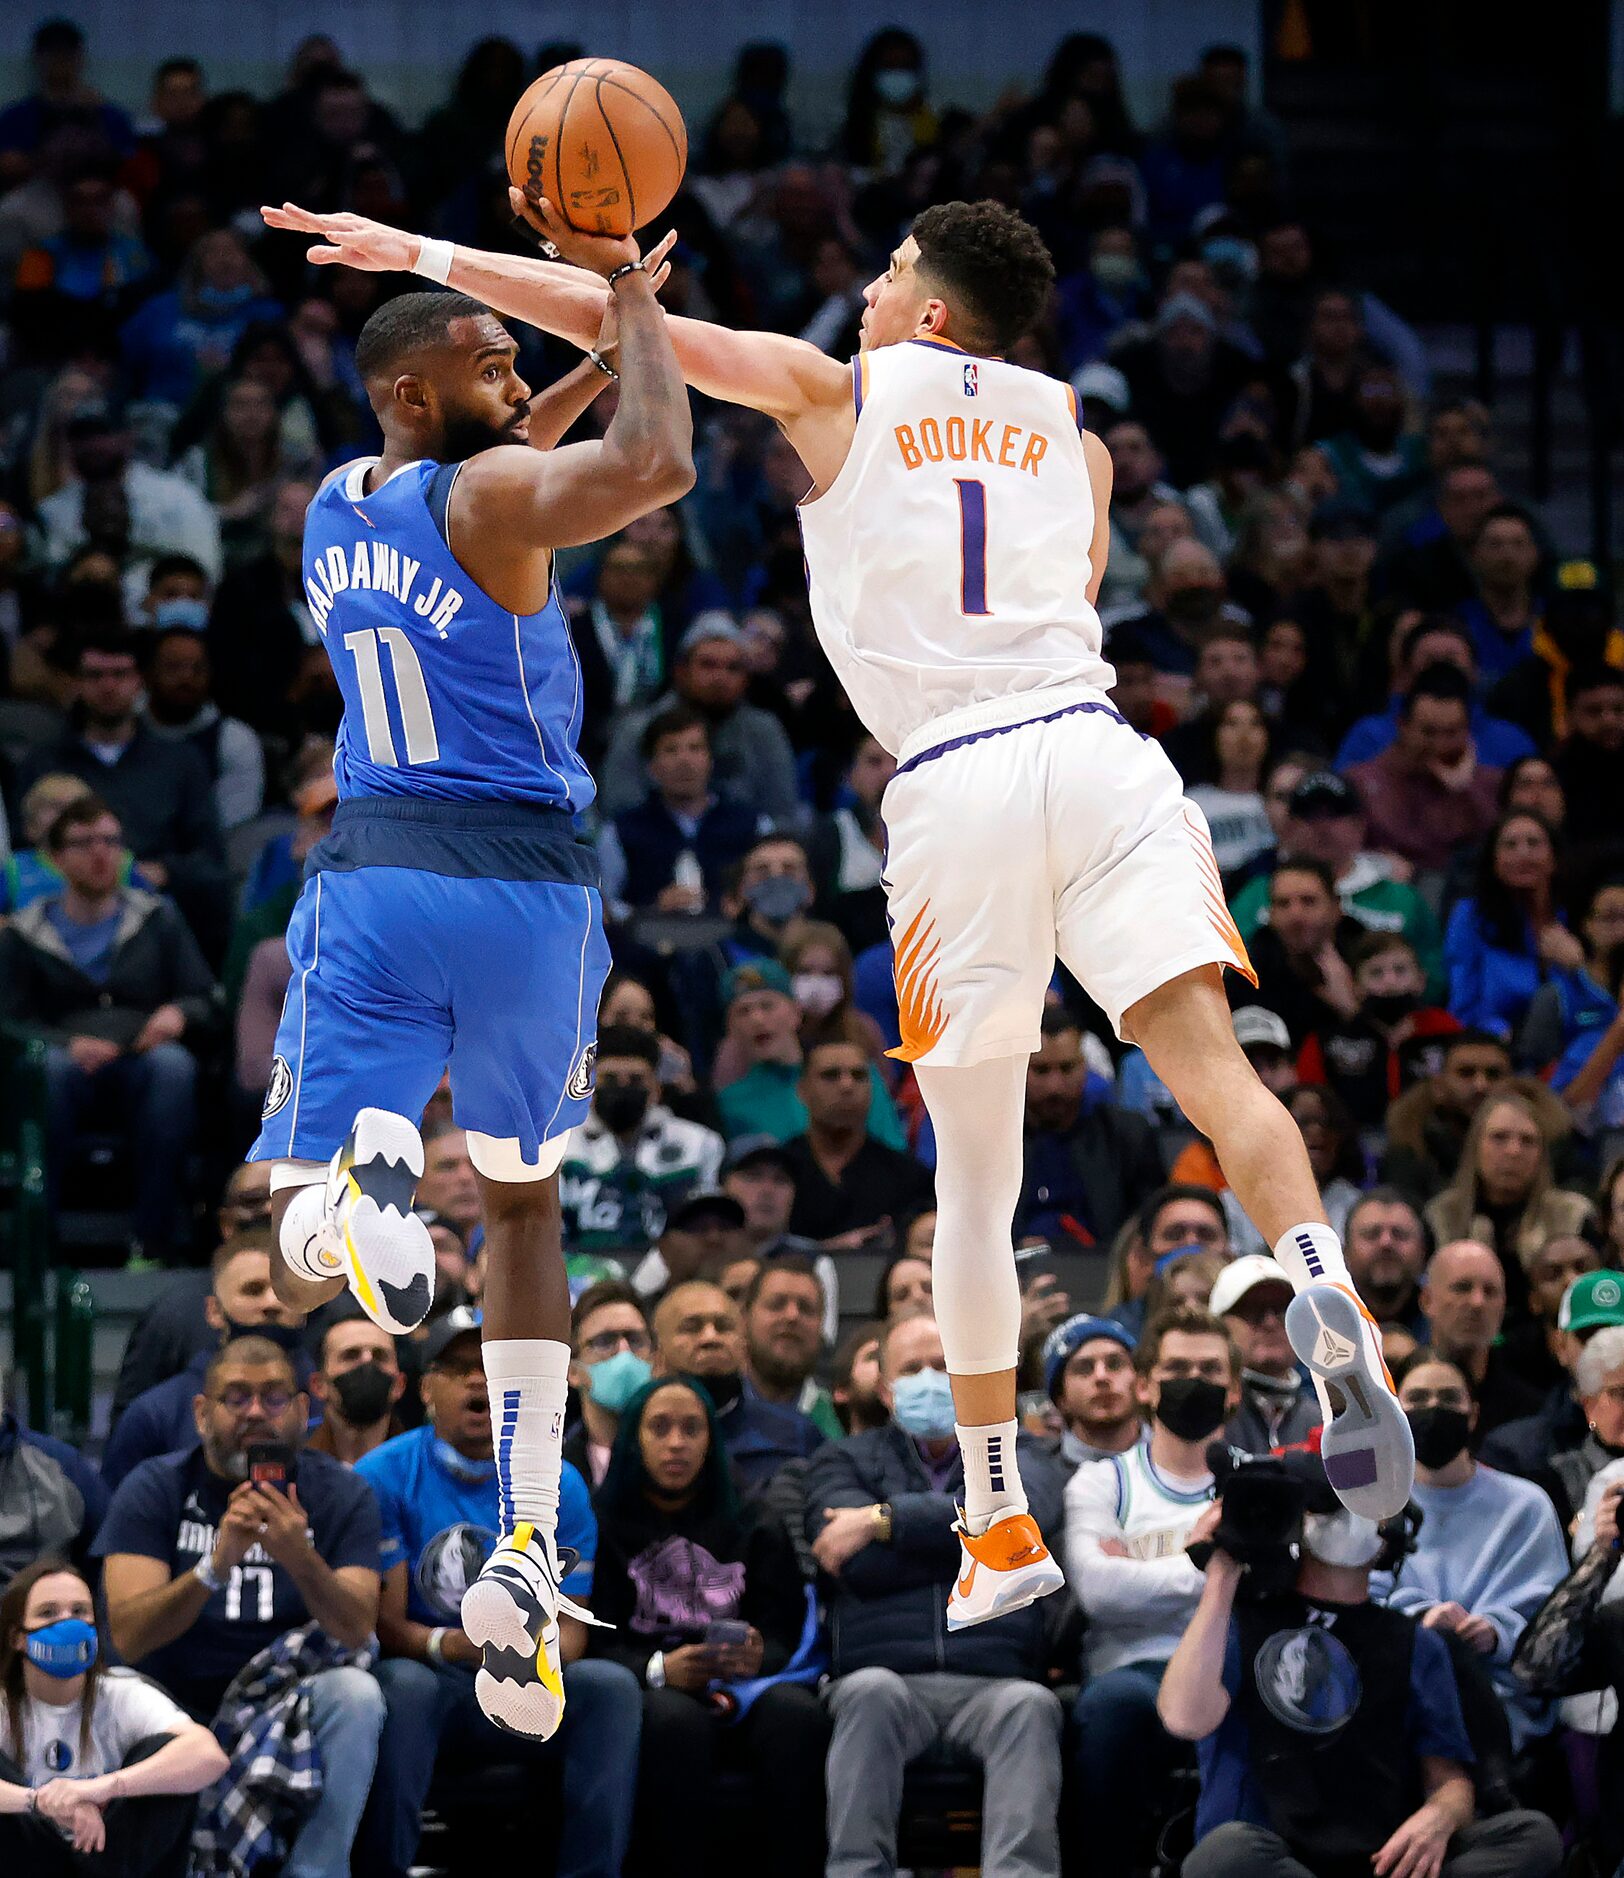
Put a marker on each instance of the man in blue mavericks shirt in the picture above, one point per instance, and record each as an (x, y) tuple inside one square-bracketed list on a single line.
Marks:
[(436, 1489)]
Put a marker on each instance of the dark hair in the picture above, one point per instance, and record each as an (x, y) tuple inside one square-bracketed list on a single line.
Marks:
[(1388, 1196), (795, 1263), (1056, 1020), (1474, 1038), (1205, 766), (882, 1299), (1349, 1162), (1305, 864), (249, 1239), (167, 564), (1513, 772), (181, 62), (112, 642), (1223, 54), (58, 35), (156, 641), (595, 1297), (1595, 677), (627, 1040), (1373, 945), (993, 265), (845, 1361), (408, 324), (1438, 680), (624, 1491), (83, 813), (12, 1606), (1178, 1190), (1424, 627), (1507, 512), (1502, 913), (258, 1351), (671, 723), (836, 1036)]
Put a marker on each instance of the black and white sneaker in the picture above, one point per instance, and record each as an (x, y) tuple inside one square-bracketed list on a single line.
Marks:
[(383, 1248), (511, 1611)]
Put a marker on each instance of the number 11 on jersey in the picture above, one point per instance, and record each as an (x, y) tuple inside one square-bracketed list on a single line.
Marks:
[(972, 545)]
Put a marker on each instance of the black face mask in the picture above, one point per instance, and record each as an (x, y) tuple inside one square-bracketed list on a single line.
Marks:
[(1194, 607), (1191, 1407), (1440, 1434), (621, 1106), (1388, 1007), (363, 1394), (284, 1336)]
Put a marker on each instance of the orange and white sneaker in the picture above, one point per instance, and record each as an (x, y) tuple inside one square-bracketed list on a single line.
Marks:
[(1002, 1569), (1367, 1447)]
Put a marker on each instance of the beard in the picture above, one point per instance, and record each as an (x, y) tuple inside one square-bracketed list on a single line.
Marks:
[(465, 435)]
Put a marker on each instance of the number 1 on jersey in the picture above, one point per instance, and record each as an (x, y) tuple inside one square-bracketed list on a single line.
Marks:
[(412, 695), (972, 545)]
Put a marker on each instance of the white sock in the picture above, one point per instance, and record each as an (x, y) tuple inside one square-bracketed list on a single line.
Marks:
[(992, 1478), (529, 1379), (1312, 1255), (306, 1239)]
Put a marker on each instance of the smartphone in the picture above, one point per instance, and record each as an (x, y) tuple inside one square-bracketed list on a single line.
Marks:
[(727, 1634), (1037, 1261), (273, 1464)]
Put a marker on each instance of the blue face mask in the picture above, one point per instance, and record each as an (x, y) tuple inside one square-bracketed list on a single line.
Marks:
[(182, 610), (223, 299), (923, 1404), (64, 1649), (458, 1465), (613, 1382)]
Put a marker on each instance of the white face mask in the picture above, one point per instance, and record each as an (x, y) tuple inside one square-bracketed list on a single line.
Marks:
[(817, 993), (1341, 1538), (896, 87)]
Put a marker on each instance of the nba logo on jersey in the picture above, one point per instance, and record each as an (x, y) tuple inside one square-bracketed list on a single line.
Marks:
[(971, 385)]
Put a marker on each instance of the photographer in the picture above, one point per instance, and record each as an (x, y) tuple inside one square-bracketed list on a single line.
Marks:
[(1330, 1733)]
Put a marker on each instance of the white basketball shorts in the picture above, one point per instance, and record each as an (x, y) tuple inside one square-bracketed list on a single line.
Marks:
[(1069, 835)]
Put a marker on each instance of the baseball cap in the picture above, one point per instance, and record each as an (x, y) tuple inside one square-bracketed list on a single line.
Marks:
[(1243, 1275), (1065, 1340), (1324, 792), (1594, 1301), (707, 1203), (756, 975), (714, 623), (754, 1151), (464, 1321), (1103, 384), (1256, 1025)]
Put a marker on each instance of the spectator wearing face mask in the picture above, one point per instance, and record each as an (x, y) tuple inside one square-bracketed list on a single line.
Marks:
[(1088, 1376), (610, 1347), (1278, 1408), (881, 1515), (51, 1498), (1489, 1552), (1127, 1521), (357, 1381), (241, 1304), (437, 1494), (631, 1161), (698, 1332), (180, 709), (98, 1765)]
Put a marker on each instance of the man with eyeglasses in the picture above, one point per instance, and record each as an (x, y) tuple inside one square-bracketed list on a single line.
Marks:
[(437, 1495), (111, 976), (204, 1568), (610, 1348), (1278, 1408)]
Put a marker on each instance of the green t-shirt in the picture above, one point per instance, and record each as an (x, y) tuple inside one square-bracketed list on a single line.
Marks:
[(764, 1101), (1379, 904)]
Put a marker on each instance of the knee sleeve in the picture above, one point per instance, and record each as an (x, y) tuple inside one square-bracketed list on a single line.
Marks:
[(976, 1112), (503, 1159)]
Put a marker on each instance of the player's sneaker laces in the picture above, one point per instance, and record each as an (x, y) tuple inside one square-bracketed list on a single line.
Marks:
[(1002, 1569), (1367, 1447), (511, 1611), (382, 1247)]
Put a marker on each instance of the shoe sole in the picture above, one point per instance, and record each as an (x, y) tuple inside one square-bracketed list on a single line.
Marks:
[(503, 1615), (1367, 1447), (1026, 1589), (377, 1171)]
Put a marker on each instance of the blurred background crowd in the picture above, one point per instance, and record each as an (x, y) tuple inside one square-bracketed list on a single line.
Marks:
[(1376, 632)]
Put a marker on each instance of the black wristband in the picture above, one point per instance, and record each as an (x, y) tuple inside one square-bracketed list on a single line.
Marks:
[(625, 268)]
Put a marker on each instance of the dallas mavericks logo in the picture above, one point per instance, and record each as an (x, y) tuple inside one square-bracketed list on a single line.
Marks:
[(278, 1089), (971, 382), (449, 1564), (59, 1757), (1307, 1680), (579, 1085), (1606, 1293)]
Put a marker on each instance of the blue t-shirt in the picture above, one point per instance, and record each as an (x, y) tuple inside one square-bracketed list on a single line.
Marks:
[(90, 947), (170, 1509), (1433, 1727), (440, 1521)]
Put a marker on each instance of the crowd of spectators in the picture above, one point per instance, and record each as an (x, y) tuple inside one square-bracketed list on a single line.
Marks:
[(1400, 705)]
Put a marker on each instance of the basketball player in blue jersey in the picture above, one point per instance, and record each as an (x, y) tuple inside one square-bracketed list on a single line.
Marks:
[(956, 532), (452, 915)]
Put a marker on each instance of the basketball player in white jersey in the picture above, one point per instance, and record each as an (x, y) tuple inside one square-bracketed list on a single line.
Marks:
[(956, 536)]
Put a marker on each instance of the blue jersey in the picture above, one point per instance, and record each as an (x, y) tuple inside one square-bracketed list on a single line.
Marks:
[(447, 696)]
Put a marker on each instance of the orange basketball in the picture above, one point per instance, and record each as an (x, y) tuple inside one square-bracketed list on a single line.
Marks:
[(602, 141)]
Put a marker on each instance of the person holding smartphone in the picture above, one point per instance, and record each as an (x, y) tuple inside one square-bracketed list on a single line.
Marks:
[(704, 1595)]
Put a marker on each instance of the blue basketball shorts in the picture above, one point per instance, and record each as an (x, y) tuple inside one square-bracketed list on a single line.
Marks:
[(398, 972)]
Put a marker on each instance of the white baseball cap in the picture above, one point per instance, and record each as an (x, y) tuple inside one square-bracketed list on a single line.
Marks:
[(1243, 1275)]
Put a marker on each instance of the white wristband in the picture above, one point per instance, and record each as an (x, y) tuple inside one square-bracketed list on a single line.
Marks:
[(654, 1674), (435, 1647), (434, 260)]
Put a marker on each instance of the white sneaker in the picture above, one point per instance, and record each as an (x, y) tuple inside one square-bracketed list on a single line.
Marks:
[(385, 1249), (1002, 1569), (1367, 1447), (511, 1611)]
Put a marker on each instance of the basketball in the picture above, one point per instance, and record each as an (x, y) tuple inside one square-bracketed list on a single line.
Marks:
[(602, 141)]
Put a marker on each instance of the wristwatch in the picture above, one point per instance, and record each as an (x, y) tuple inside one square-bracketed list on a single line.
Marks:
[(654, 1675), (205, 1574), (882, 1522)]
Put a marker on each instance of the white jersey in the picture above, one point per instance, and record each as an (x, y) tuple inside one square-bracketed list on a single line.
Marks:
[(948, 562)]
